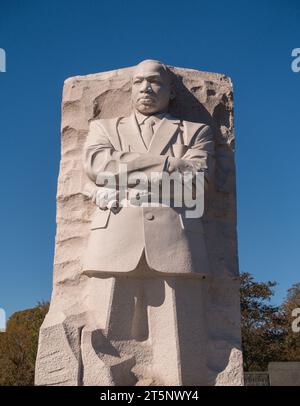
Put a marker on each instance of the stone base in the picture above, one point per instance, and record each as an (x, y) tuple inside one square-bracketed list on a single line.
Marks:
[(145, 328)]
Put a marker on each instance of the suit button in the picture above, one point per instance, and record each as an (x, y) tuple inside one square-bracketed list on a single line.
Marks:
[(149, 216)]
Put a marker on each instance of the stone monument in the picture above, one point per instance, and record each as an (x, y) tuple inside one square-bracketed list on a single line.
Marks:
[(143, 293)]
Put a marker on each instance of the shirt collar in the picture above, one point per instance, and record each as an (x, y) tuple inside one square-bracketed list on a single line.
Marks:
[(141, 118)]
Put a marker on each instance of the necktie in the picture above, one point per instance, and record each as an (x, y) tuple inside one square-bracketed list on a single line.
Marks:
[(147, 130)]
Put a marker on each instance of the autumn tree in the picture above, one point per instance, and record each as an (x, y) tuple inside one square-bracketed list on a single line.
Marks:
[(262, 324), (18, 346)]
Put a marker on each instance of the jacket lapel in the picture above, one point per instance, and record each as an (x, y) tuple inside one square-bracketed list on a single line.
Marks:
[(130, 135), (131, 139), (163, 134)]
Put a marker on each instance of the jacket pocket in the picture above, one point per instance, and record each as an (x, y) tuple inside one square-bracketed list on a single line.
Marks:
[(100, 219)]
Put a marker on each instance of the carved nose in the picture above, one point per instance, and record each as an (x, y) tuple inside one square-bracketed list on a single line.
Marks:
[(146, 88)]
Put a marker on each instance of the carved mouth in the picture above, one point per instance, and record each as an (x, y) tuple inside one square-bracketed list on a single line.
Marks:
[(146, 99)]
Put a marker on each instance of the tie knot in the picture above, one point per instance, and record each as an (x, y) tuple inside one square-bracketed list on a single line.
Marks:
[(150, 121)]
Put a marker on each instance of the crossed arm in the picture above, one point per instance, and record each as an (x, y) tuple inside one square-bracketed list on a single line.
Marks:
[(101, 157)]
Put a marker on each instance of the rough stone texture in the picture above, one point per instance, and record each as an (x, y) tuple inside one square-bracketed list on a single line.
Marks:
[(284, 373), (80, 306)]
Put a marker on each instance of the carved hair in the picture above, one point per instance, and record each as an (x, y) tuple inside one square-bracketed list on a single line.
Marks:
[(166, 69)]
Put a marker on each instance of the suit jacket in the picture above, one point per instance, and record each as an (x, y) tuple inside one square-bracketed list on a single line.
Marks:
[(172, 243)]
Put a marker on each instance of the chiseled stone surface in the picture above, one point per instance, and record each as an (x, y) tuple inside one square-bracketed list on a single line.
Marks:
[(77, 345), (284, 373)]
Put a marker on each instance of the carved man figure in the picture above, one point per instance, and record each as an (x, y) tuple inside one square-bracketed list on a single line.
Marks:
[(154, 256), (150, 140)]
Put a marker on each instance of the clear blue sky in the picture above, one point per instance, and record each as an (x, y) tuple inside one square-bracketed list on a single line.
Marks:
[(48, 41)]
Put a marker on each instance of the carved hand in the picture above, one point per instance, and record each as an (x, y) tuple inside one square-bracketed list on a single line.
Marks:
[(105, 198), (182, 165)]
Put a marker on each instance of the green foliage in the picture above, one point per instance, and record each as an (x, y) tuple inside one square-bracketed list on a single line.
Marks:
[(18, 346)]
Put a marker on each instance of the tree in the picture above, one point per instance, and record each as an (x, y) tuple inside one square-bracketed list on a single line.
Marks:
[(262, 324), (18, 346)]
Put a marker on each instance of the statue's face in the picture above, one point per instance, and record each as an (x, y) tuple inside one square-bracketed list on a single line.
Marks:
[(151, 88)]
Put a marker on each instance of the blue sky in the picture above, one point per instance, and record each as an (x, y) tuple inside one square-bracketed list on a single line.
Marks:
[(46, 42)]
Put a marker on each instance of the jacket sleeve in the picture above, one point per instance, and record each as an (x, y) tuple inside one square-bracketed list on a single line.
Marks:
[(201, 152), (100, 156)]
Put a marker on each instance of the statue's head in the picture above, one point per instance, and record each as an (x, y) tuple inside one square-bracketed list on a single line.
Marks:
[(152, 87)]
